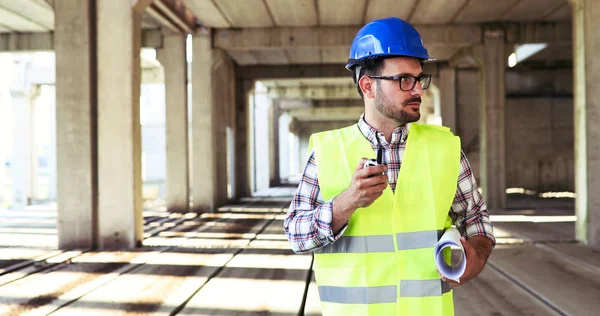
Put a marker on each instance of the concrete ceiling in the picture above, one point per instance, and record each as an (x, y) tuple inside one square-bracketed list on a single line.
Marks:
[(347, 16), (26, 16), (254, 32), (290, 13)]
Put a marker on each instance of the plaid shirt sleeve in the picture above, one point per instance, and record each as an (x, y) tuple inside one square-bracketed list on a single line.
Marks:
[(308, 221), (469, 212)]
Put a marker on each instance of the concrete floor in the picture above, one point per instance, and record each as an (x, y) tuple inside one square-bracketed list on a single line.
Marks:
[(237, 262)]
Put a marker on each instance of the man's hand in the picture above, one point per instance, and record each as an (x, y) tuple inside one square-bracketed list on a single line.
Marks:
[(477, 250), (362, 192)]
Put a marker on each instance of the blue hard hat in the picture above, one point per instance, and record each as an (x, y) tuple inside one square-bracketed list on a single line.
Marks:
[(385, 38)]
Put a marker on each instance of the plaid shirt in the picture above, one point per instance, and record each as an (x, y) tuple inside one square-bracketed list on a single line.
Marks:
[(308, 221)]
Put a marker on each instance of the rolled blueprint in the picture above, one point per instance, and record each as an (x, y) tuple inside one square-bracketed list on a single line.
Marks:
[(450, 247)]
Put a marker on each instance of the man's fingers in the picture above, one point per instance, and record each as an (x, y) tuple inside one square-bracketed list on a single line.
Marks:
[(452, 283), (361, 164)]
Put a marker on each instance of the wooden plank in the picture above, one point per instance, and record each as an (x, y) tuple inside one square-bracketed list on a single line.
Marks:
[(493, 294), (570, 288)]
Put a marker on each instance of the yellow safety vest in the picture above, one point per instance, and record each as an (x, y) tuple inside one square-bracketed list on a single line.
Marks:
[(383, 264)]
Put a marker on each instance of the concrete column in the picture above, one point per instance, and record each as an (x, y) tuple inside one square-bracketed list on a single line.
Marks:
[(5, 123), (22, 149), (492, 138), (51, 97), (35, 93), (120, 222), (586, 48), (262, 156), (298, 161), (76, 116), (284, 146), (213, 110), (274, 113), (173, 59), (447, 87), (223, 74), (203, 126), (243, 172)]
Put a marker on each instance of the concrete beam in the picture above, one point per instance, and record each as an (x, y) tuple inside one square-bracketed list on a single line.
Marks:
[(175, 11), (331, 37), (327, 113), (292, 71), (22, 42), (12, 42), (555, 33), (323, 93), (467, 57), (291, 104)]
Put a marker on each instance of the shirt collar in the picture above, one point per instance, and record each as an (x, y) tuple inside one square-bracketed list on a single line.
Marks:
[(399, 135)]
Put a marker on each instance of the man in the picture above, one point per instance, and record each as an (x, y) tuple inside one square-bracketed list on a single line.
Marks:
[(372, 229)]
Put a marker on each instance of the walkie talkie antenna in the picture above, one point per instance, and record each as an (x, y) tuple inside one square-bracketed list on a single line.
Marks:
[(379, 151)]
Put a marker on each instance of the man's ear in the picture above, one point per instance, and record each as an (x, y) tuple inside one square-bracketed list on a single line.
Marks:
[(367, 86)]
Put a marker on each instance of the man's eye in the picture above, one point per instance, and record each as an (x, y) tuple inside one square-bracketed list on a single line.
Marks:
[(404, 78)]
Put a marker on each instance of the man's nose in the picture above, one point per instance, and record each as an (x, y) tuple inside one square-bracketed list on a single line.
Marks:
[(417, 90)]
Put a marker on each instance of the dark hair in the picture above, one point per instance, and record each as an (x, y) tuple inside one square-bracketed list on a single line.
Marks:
[(374, 69)]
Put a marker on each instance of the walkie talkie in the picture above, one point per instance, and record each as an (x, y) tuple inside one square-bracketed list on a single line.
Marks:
[(373, 162)]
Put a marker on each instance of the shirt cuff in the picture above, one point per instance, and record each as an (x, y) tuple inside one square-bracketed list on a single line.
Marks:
[(487, 234), (325, 216)]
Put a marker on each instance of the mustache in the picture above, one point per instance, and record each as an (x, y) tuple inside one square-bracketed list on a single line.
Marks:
[(411, 100)]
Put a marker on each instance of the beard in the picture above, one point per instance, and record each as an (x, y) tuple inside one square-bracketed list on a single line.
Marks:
[(389, 110)]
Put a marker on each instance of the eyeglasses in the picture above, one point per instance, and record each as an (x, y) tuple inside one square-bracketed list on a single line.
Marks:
[(408, 82)]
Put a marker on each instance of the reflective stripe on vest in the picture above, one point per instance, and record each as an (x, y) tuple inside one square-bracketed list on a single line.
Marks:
[(360, 244), (382, 294), (414, 240), (382, 243), (358, 295)]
